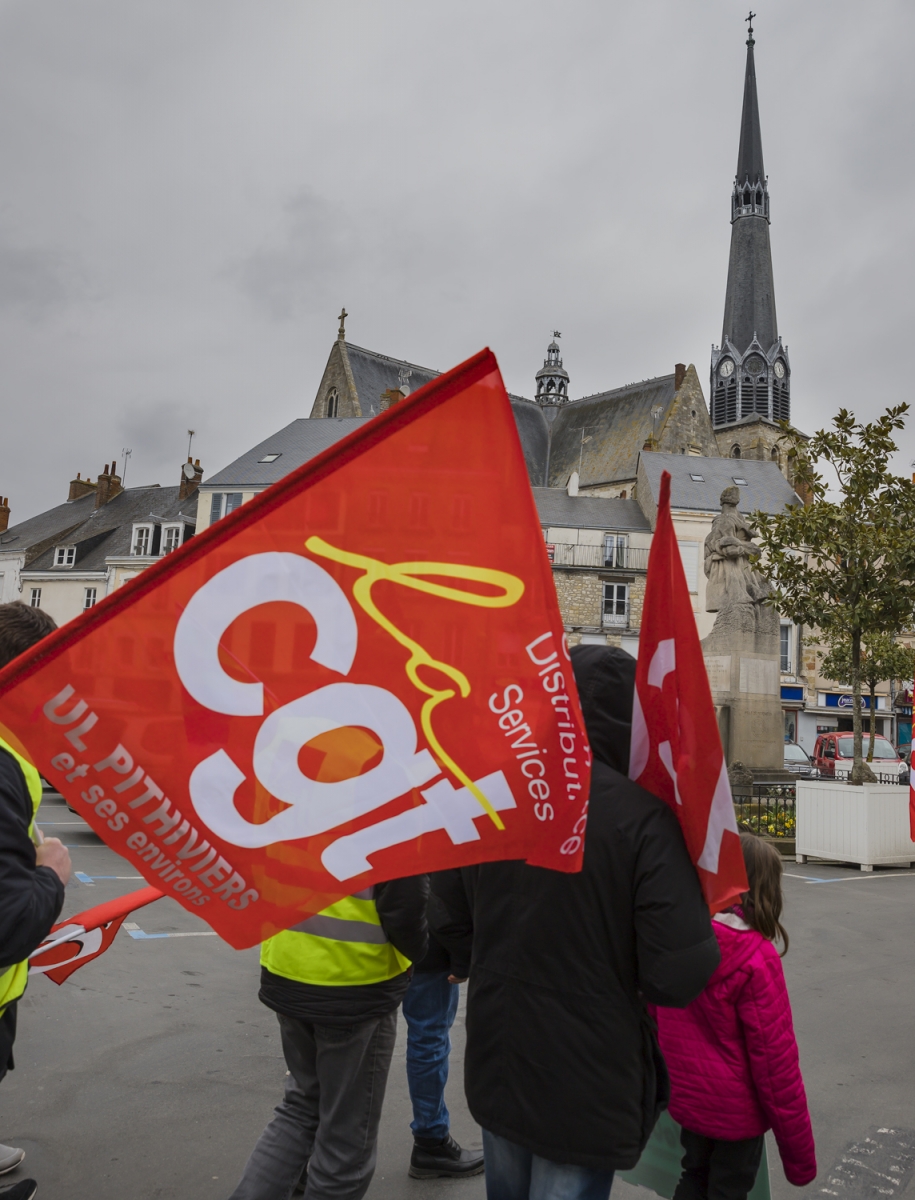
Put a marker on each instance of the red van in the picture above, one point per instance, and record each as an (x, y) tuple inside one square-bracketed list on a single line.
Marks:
[(834, 756)]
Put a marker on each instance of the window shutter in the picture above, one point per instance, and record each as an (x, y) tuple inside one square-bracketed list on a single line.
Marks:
[(689, 553)]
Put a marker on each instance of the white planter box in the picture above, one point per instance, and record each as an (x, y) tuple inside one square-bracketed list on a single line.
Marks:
[(868, 825)]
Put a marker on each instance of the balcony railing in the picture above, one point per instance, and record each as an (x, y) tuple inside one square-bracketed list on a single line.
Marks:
[(616, 614), (614, 558)]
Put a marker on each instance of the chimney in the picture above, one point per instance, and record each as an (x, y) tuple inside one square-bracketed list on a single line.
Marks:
[(804, 492), (80, 487), (388, 397), (4, 513), (679, 375), (191, 475), (108, 485)]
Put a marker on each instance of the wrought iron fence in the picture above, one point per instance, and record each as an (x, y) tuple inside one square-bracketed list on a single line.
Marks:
[(768, 809), (882, 776)]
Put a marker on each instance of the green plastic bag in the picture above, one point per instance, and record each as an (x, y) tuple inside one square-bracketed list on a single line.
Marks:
[(659, 1166)]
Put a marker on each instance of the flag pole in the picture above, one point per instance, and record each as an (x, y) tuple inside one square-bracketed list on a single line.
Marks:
[(73, 931)]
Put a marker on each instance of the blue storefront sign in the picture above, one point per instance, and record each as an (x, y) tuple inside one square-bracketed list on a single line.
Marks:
[(792, 695), (843, 700)]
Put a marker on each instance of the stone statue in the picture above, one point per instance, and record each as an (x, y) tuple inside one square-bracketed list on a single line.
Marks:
[(729, 554), (742, 650)]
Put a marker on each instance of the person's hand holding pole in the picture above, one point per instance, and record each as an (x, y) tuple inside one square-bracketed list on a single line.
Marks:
[(54, 854)]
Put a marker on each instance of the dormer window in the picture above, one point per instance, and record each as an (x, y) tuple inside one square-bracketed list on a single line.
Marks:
[(64, 556), (172, 537), (142, 545)]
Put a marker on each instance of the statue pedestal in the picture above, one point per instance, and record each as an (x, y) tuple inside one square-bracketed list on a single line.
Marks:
[(742, 660)]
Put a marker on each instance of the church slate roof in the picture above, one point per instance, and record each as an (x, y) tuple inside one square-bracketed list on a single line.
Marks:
[(765, 490), (557, 508), (107, 531), (296, 443), (617, 423), (535, 438), (374, 374)]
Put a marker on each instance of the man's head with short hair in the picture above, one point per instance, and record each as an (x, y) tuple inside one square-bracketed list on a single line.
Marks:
[(21, 627)]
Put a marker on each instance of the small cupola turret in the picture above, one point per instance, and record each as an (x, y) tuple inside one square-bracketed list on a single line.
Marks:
[(552, 378)]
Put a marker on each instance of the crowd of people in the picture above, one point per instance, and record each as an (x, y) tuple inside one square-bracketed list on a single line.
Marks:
[(595, 1000)]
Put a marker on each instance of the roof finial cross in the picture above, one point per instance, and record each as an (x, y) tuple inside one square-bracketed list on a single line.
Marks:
[(749, 21), (341, 333)]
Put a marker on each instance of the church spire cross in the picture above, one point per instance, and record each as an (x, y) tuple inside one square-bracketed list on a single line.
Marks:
[(341, 332), (749, 20)]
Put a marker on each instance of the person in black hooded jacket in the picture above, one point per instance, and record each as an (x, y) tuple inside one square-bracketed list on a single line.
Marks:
[(562, 1067)]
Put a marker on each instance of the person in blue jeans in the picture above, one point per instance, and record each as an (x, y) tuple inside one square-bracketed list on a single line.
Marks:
[(429, 1008), (562, 1068)]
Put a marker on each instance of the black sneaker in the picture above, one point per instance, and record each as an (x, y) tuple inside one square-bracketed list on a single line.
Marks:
[(25, 1189), (445, 1158)]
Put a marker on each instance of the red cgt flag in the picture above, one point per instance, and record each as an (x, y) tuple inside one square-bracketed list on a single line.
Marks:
[(358, 675), (73, 943), (676, 748)]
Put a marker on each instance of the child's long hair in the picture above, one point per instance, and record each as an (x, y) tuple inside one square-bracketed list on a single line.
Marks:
[(762, 905)]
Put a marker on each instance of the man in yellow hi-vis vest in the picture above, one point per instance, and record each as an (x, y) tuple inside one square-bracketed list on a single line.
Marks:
[(32, 876), (335, 983)]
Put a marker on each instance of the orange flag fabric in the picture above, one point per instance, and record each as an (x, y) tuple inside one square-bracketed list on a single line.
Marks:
[(676, 749), (358, 675)]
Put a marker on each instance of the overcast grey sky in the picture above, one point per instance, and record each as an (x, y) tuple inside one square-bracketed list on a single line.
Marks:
[(191, 190)]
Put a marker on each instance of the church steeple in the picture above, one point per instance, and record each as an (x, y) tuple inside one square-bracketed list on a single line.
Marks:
[(750, 371), (750, 169)]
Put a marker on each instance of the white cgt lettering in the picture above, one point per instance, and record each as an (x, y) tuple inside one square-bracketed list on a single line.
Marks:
[(315, 807), (258, 579)]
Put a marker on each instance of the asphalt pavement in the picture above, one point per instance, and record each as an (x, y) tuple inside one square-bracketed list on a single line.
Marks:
[(151, 1072)]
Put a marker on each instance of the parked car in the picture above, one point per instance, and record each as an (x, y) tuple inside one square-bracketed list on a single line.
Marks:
[(797, 760), (834, 756)]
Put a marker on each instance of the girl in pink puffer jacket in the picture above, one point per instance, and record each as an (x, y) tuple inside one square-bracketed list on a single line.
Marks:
[(732, 1054)]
